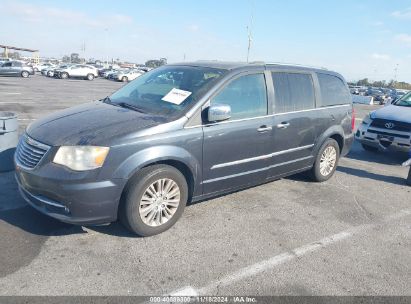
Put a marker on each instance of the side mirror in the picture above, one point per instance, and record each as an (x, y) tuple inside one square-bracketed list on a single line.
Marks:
[(218, 112)]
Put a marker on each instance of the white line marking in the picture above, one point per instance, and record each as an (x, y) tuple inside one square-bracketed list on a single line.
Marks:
[(10, 93), (185, 292), (274, 261), (18, 102), (24, 119)]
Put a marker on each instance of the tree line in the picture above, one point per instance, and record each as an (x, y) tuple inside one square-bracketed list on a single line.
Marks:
[(400, 85)]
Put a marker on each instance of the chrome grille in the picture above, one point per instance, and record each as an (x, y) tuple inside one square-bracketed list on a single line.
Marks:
[(394, 125), (30, 152)]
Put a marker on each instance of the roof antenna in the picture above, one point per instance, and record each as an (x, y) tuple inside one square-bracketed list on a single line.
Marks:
[(249, 32)]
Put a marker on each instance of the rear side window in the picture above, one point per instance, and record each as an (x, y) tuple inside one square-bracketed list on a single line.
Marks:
[(333, 91), (293, 92), (246, 95)]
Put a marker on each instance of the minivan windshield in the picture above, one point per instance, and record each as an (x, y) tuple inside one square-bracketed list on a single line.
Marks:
[(168, 90), (404, 101)]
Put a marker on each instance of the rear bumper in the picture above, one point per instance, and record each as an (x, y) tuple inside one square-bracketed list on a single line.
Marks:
[(348, 142), (383, 139), (81, 204)]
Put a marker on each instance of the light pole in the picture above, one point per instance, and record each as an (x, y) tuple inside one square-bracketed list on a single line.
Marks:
[(106, 42), (396, 72), (249, 32)]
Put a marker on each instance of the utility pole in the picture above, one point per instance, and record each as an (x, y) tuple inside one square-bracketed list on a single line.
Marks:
[(106, 44), (250, 39), (396, 72), (249, 32)]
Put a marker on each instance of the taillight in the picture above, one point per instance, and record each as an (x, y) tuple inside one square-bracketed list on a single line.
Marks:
[(353, 119)]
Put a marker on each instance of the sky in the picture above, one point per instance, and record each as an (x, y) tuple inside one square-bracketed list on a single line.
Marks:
[(359, 39)]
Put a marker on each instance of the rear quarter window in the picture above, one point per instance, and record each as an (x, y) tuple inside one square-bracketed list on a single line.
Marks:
[(333, 91), (293, 92)]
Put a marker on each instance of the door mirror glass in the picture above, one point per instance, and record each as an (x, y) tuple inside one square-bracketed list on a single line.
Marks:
[(219, 112)]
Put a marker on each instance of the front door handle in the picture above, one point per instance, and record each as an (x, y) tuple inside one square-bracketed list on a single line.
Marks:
[(264, 129), (283, 125)]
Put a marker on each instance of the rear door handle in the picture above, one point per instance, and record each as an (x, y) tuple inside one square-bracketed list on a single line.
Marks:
[(283, 125), (264, 129)]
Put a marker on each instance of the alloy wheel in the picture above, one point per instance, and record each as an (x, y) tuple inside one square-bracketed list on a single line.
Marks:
[(159, 202), (328, 160)]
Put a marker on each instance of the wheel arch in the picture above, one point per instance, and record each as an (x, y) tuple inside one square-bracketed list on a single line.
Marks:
[(336, 133), (173, 156)]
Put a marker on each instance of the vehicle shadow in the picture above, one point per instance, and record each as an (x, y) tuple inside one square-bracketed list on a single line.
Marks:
[(381, 157), (17, 213), (33, 222), (373, 176)]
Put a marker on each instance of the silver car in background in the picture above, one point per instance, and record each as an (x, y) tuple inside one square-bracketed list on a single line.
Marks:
[(16, 68), (388, 127), (77, 71)]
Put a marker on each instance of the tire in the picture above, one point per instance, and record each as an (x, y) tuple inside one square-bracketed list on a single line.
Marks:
[(320, 172), (369, 148), (90, 77), (25, 74), (137, 197), (124, 79), (64, 75)]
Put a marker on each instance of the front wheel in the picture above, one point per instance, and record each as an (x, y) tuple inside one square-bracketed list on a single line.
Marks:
[(24, 74), (124, 79), (64, 76), (326, 161), (90, 77), (154, 200)]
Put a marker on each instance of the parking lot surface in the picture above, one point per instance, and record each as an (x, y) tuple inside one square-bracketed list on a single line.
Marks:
[(348, 236)]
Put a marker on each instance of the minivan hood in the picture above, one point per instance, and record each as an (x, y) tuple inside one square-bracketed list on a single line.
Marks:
[(94, 123), (396, 113)]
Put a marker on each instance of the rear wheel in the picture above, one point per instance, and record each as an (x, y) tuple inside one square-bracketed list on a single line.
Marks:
[(24, 74), (369, 148), (326, 161), (154, 200), (64, 75), (90, 77), (124, 79)]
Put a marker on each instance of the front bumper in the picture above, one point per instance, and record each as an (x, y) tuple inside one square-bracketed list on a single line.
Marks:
[(88, 203), (384, 139)]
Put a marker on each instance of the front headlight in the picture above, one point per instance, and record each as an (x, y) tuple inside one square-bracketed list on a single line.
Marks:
[(369, 118), (81, 158)]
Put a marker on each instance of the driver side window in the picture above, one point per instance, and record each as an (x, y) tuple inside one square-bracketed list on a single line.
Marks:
[(246, 95)]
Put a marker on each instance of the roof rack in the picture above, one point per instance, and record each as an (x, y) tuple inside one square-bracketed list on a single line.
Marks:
[(296, 64)]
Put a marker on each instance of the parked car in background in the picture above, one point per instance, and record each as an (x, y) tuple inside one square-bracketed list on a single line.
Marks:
[(77, 71), (106, 72), (181, 133), (377, 94), (126, 76), (49, 72), (16, 68), (39, 67), (113, 73), (388, 127), (2, 60)]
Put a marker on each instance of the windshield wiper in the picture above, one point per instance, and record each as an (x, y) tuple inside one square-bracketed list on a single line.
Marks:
[(130, 106), (106, 100)]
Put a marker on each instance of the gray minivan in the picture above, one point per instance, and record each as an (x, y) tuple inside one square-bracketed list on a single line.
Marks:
[(183, 133)]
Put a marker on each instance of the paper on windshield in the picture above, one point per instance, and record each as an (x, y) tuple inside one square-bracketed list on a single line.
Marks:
[(176, 96)]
